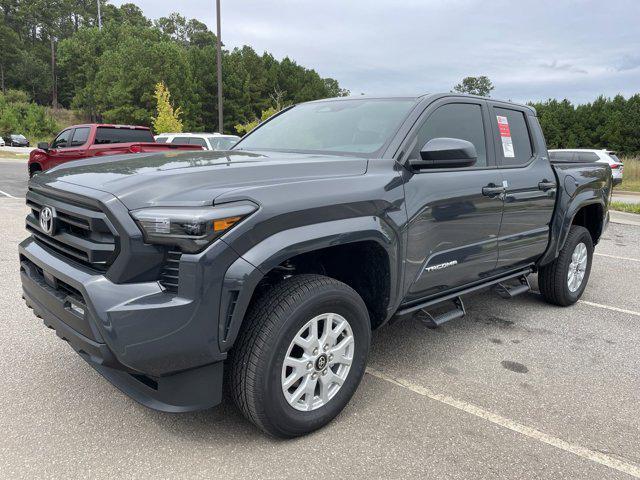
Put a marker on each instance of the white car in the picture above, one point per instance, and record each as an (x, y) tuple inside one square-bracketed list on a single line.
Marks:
[(209, 141), (2, 144), (591, 155)]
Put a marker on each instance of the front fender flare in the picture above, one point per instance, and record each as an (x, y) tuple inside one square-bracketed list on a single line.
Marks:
[(244, 274)]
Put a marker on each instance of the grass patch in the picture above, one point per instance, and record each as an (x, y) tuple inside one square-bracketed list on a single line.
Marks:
[(13, 155), (631, 175), (625, 207)]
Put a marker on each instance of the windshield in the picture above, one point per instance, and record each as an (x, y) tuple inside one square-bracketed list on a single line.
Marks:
[(360, 126)]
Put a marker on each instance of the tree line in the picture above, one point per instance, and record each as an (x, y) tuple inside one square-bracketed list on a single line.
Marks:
[(611, 123), (54, 51)]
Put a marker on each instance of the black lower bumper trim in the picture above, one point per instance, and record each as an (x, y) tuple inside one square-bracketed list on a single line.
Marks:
[(191, 390)]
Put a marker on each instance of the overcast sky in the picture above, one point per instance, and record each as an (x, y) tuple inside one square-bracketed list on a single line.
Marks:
[(531, 49)]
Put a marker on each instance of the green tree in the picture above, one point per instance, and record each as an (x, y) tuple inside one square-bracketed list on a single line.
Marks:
[(475, 86), (247, 127), (167, 118)]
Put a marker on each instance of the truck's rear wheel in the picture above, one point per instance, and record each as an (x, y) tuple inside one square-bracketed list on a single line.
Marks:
[(563, 281), (301, 355)]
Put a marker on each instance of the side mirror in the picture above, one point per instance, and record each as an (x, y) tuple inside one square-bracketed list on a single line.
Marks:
[(43, 146), (446, 153)]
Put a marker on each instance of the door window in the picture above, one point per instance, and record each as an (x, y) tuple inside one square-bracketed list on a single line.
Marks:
[(62, 140), (80, 136), (514, 142), (455, 120), (181, 140)]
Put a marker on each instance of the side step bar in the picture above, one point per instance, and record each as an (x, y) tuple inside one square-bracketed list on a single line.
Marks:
[(510, 291), (427, 303), (432, 321)]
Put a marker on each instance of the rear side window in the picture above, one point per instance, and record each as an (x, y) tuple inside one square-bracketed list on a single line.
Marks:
[(107, 135), (198, 141), (455, 120), (587, 157), (162, 139), (562, 156), (514, 142), (80, 136), (181, 140)]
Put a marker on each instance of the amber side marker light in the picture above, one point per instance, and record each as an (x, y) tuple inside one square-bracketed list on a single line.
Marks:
[(225, 223)]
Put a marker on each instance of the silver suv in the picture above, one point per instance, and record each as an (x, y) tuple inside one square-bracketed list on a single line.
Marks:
[(592, 155)]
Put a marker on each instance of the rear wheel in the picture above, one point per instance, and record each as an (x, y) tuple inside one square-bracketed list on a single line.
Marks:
[(563, 281), (301, 355)]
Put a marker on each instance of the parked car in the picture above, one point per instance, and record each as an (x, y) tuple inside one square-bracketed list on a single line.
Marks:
[(17, 140), (273, 262), (96, 140), (2, 144), (591, 155), (208, 141)]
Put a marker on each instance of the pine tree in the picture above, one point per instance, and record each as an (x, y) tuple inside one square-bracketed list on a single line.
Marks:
[(168, 119)]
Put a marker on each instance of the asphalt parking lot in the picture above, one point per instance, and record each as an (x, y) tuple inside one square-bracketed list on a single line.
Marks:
[(517, 389)]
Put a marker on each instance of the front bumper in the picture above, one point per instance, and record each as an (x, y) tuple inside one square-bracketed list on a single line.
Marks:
[(159, 348)]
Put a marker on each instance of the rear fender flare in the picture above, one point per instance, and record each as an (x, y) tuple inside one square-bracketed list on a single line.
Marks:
[(560, 226)]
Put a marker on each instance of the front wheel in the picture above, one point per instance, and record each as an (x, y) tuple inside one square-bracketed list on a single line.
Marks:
[(301, 355), (563, 281)]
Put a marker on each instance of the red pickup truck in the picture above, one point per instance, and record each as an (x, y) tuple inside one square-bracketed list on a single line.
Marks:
[(93, 140)]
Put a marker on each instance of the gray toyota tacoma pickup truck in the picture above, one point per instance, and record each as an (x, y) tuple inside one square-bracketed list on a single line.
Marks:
[(268, 266)]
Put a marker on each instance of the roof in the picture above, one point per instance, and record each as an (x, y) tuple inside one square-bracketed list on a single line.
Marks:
[(594, 150), (423, 96), (195, 134), (110, 125)]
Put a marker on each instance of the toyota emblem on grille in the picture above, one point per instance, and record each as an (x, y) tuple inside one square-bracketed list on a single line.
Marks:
[(47, 220)]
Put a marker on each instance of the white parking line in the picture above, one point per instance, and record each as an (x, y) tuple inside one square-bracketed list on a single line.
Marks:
[(618, 258), (499, 420), (7, 194), (609, 307)]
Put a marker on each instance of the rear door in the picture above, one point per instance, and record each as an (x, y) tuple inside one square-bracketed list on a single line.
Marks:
[(453, 226), (530, 184)]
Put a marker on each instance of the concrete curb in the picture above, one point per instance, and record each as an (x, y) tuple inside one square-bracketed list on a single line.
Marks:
[(625, 218)]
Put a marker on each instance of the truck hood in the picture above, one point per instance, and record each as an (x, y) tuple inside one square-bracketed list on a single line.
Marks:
[(194, 178)]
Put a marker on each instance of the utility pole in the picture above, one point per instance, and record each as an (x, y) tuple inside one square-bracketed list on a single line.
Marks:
[(99, 17), (219, 61)]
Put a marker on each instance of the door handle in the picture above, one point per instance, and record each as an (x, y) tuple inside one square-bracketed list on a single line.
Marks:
[(492, 190), (546, 185)]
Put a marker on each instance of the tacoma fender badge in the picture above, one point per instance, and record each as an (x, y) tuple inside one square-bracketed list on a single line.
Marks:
[(441, 266)]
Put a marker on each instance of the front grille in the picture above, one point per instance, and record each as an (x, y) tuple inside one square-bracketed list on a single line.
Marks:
[(169, 274), (82, 232)]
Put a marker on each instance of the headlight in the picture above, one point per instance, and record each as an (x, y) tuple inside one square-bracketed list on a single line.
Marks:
[(190, 228)]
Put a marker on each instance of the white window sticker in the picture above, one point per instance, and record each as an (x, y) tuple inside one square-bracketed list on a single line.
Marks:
[(505, 136)]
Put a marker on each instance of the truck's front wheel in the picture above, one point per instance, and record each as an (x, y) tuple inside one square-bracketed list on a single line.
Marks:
[(301, 355), (563, 281)]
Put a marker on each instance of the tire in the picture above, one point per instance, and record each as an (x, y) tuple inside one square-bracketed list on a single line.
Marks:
[(271, 324), (553, 279)]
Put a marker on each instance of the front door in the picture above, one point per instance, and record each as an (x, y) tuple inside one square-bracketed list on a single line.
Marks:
[(454, 213)]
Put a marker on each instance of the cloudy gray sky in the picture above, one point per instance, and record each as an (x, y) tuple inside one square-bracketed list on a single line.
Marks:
[(531, 49)]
